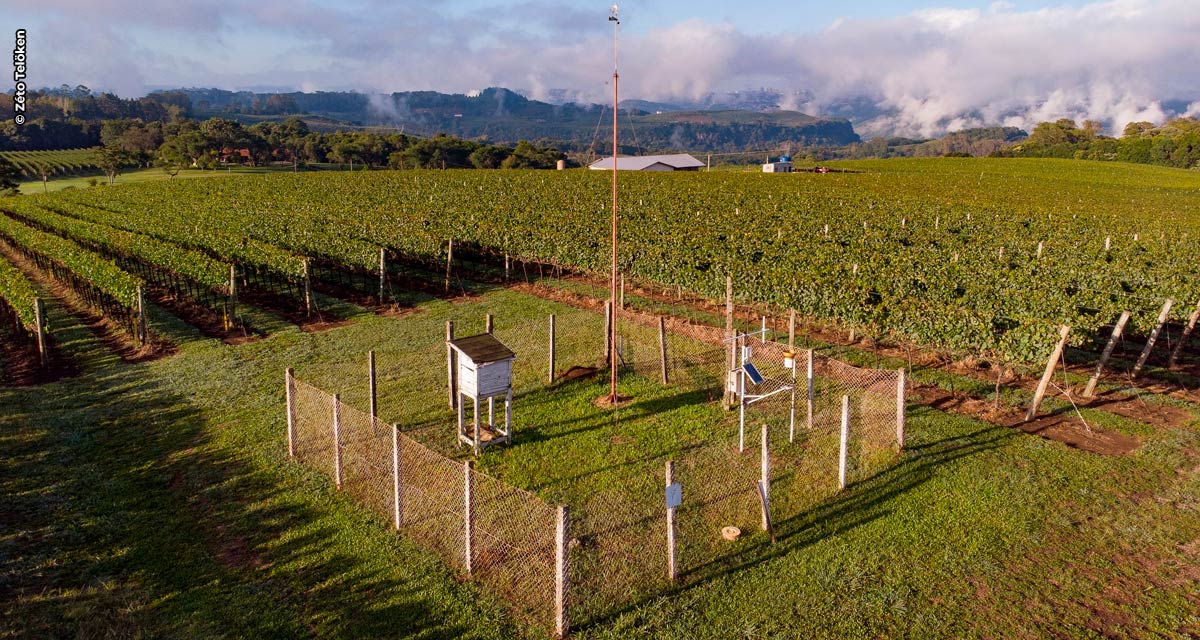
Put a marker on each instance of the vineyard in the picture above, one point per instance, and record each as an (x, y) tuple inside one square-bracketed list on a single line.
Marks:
[(36, 164), (202, 495), (975, 257)]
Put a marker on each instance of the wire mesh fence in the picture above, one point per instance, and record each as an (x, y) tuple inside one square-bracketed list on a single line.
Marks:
[(828, 424)]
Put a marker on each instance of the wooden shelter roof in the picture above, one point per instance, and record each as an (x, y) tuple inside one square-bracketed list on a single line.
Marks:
[(482, 348)]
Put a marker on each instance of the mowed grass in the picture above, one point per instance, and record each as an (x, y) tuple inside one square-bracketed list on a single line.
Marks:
[(157, 500)]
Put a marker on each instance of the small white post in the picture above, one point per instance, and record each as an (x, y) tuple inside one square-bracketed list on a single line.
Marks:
[(608, 345), (289, 386), (901, 408), (382, 273), (337, 440), (730, 343), (1183, 339), (1104, 356), (39, 318), (741, 392), (489, 325), (468, 516), (1048, 373), (397, 516), (451, 361), (562, 623), (374, 403), (307, 287), (475, 420), (662, 348), (812, 392), (762, 336), (766, 479), (792, 329), (845, 448), (1162, 321), (550, 373), (792, 406), (672, 571)]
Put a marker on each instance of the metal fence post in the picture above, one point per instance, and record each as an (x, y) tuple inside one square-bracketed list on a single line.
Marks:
[(371, 385), (337, 440), (845, 447), (766, 479), (562, 623), (397, 514), (289, 386), (672, 571), (662, 348), (468, 516), (901, 407), (550, 374)]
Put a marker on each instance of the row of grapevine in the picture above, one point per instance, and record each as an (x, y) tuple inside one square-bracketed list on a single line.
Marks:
[(99, 281), (190, 264), (18, 296), (973, 256), (35, 164)]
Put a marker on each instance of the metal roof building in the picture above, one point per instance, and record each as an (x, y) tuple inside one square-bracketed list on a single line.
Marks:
[(674, 162)]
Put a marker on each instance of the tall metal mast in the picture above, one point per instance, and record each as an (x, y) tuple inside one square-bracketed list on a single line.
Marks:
[(612, 341)]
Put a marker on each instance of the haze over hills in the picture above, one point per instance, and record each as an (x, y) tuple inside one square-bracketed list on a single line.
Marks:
[(503, 115)]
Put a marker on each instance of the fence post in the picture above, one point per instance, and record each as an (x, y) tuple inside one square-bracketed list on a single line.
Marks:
[(562, 623), (1108, 349), (468, 515), (397, 514), (449, 261), (730, 347), (901, 408), (1187, 334), (489, 324), (39, 319), (289, 387), (662, 348), (844, 450), (672, 571), (1048, 373), (382, 273), (1162, 321), (337, 440), (608, 346), (550, 374), (451, 370), (766, 479), (812, 392), (371, 384)]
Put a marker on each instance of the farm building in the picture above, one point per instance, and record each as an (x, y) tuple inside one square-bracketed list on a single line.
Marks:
[(784, 165), (675, 162)]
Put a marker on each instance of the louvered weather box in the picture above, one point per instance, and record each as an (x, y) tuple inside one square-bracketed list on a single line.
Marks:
[(484, 373)]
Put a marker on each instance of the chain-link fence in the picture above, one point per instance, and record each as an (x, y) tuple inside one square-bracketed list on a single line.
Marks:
[(503, 536), (828, 424)]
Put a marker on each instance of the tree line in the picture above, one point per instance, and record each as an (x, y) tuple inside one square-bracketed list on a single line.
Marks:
[(1174, 144)]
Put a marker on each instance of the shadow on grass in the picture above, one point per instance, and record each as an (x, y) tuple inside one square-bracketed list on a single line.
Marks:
[(122, 516), (863, 502)]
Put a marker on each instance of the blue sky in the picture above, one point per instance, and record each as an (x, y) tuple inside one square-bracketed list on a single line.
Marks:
[(923, 67)]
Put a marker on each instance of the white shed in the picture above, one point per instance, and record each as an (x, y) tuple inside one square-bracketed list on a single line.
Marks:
[(484, 373), (672, 162)]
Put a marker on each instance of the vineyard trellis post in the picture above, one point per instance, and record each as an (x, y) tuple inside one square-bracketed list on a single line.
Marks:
[(39, 320), (1118, 329), (1051, 364), (289, 387), (307, 286), (382, 272), (489, 324), (449, 262), (791, 329), (1187, 334), (143, 332), (232, 295), (1158, 327)]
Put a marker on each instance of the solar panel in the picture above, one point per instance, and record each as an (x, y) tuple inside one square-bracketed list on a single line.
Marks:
[(755, 376)]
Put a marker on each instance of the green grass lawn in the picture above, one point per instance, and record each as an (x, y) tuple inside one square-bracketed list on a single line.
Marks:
[(157, 499)]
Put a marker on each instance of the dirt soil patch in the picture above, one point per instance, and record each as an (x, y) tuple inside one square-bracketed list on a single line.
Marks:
[(22, 367)]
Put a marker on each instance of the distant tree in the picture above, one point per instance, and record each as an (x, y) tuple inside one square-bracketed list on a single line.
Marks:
[(10, 178), (111, 160)]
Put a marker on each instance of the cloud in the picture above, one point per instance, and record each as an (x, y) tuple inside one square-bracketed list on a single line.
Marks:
[(920, 74)]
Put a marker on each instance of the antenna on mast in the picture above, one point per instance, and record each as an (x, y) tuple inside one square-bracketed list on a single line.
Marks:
[(613, 398)]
